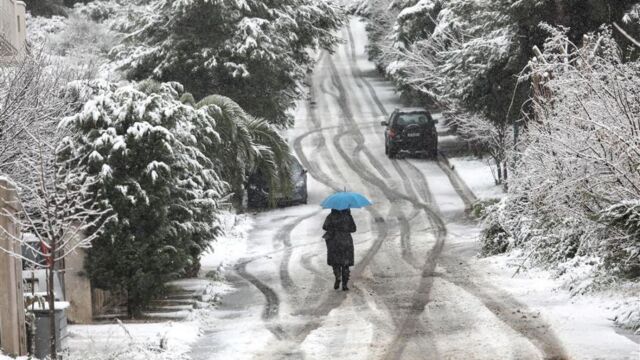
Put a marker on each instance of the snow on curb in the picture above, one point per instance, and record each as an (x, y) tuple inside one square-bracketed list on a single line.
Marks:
[(582, 323), (231, 247), (167, 340), (478, 176)]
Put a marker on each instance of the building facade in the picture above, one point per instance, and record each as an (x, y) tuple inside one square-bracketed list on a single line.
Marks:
[(13, 32)]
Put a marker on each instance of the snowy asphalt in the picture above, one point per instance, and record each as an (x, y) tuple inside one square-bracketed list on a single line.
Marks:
[(415, 293)]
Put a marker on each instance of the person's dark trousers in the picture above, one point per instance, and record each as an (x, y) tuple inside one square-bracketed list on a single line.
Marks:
[(345, 277), (337, 272), (341, 272)]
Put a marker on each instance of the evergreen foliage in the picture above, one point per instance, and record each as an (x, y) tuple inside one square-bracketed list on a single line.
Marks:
[(248, 145), (253, 51), (46, 7), (144, 149)]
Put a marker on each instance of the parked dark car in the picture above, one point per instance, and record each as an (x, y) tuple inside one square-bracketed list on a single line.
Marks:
[(411, 130), (258, 188)]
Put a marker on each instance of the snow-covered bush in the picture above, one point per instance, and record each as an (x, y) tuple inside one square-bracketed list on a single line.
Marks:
[(445, 50), (623, 251), (40, 28), (575, 186), (82, 38), (76, 42), (30, 106), (493, 139), (627, 315), (144, 147)]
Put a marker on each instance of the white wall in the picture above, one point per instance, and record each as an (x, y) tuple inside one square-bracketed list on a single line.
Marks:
[(13, 24)]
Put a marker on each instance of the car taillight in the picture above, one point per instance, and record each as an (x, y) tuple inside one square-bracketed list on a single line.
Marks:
[(392, 133)]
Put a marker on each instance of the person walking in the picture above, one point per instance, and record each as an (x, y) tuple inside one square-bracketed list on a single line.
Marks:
[(339, 225)]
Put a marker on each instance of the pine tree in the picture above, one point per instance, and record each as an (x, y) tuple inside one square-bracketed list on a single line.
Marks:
[(253, 51)]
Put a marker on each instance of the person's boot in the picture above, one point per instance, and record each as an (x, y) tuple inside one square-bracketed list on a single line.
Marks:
[(336, 273), (345, 278)]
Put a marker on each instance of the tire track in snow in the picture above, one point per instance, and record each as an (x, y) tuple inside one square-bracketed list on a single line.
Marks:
[(272, 301), (405, 227), (359, 78), (328, 181), (284, 234), (333, 301), (407, 327), (272, 305), (421, 295)]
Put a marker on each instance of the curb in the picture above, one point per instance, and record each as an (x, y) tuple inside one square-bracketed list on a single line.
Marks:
[(465, 193)]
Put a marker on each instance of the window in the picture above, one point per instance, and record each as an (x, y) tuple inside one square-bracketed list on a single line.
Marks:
[(413, 118), (19, 24)]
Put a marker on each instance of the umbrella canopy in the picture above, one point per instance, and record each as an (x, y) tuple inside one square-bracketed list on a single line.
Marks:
[(345, 200)]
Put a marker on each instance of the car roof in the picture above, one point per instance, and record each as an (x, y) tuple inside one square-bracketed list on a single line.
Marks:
[(411, 110)]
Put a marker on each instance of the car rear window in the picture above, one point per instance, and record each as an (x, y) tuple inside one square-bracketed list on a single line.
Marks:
[(413, 118)]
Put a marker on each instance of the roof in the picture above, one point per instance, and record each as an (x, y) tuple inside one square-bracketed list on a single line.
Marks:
[(412, 110)]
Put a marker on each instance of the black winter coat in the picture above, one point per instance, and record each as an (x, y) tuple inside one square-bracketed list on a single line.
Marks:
[(338, 226)]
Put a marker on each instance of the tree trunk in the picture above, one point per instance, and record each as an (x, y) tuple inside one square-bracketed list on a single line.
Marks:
[(504, 171), (53, 351), (237, 200)]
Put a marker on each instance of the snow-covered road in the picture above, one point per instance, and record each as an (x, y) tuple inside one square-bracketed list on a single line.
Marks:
[(415, 292)]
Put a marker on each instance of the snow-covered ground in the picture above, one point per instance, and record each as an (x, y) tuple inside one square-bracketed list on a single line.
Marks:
[(228, 249), (478, 175), (171, 339), (583, 323)]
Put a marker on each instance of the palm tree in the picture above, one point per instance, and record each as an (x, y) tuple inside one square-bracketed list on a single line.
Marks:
[(247, 145)]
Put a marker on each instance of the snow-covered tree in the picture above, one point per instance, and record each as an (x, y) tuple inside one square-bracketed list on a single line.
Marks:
[(247, 144), (142, 148), (576, 184), (495, 140), (56, 211), (255, 52)]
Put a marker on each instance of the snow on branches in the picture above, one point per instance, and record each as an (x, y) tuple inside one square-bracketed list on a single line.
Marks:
[(144, 151), (252, 51), (578, 168)]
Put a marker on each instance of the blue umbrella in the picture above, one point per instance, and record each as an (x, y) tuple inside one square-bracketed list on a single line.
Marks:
[(345, 200)]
